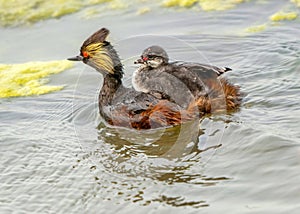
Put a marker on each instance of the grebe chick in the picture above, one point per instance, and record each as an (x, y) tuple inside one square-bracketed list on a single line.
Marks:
[(185, 83), (123, 106), (154, 60)]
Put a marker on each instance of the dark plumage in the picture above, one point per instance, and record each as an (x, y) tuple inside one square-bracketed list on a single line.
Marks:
[(185, 83), (122, 106), (128, 107)]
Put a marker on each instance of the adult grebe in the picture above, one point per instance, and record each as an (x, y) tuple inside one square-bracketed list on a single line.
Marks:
[(122, 106), (185, 83)]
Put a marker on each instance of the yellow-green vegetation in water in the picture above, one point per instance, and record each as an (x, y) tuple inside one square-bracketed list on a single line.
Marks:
[(256, 28), (297, 2), (143, 10), (17, 12), (207, 5), (280, 16), (29, 78), (179, 3), (118, 5)]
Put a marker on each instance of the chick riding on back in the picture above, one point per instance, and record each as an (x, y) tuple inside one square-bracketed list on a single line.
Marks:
[(185, 83), (121, 106)]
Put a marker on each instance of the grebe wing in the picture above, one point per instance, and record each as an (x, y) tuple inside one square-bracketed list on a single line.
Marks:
[(203, 70), (143, 111), (134, 100), (163, 82)]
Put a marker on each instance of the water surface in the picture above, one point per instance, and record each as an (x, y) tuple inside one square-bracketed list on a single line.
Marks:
[(57, 155)]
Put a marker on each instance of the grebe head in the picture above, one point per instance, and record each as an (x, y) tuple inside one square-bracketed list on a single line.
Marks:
[(100, 54), (153, 57)]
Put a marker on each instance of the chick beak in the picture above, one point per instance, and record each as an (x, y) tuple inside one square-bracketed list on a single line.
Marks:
[(139, 61), (76, 58)]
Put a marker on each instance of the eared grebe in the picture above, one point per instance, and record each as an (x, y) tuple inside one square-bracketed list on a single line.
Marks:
[(122, 106), (185, 83)]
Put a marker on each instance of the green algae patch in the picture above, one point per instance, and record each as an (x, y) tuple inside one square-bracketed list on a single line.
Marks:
[(30, 11), (210, 5), (118, 5), (179, 3), (276, 17), (297, 2), (256, 28), (29, 78), (281, 16), (206, 5), (143, 10)]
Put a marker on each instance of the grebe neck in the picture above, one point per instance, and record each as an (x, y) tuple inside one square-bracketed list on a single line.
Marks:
[(111, 84), (112, 80)]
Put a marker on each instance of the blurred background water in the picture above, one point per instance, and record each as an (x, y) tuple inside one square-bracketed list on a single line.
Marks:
[(57, 155)]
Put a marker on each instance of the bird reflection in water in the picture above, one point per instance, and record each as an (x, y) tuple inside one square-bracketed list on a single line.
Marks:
[(161, 154)]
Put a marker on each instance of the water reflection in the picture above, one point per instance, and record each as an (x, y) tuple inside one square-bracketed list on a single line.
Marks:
[(170, 143), (180, 201), (134, 164), (129, 163), (162, 155)]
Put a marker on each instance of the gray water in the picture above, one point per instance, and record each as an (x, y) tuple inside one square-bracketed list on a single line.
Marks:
[(57, 155)]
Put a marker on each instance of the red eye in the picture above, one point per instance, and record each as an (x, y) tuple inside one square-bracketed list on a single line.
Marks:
[(145, 58), (85, 54)]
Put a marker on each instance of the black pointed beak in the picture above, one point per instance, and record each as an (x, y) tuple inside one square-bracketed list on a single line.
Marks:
[(139, 61), (76, 58)]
